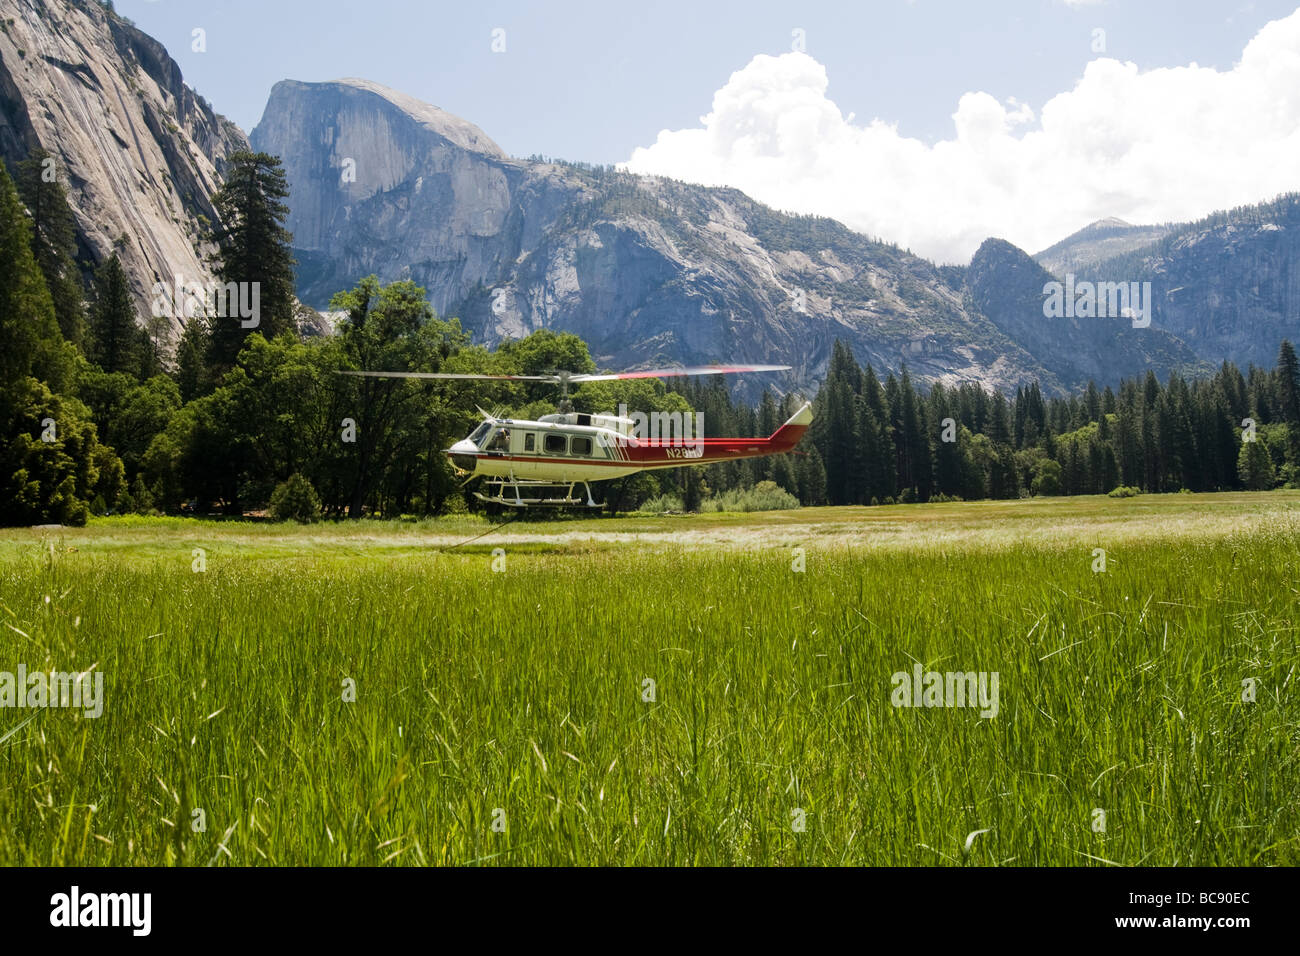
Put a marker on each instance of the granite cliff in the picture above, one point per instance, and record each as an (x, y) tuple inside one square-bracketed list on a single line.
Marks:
[(140, 153)]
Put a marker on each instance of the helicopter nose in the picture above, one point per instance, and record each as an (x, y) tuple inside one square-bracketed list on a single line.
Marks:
[(463, 455)]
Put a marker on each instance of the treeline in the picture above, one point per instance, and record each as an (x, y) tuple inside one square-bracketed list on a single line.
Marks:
[(96, 417), (889, 441)]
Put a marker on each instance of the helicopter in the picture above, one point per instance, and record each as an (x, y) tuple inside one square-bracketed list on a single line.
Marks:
[(524, 463)]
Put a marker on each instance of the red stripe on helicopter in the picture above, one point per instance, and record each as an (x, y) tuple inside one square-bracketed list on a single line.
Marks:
[(638, 452)]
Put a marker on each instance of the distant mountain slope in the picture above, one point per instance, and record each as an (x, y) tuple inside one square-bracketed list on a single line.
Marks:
[(646, 270), (1228, 285), (1007, 285), (1103, 239), (141, 150)]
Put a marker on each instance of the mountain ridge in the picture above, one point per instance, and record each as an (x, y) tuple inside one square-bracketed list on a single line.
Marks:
[(644, 268), (1100, 240), (1228, 284)]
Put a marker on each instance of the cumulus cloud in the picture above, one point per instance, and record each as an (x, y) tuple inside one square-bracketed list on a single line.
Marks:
[(1146, 146)]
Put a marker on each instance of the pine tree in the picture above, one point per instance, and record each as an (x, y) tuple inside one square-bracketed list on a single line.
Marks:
[(948, 465), (812, 479), (1004, 482), (1035, 415), (1255, 465), (913, 444), (1152, 460), (844, 367), (254, 259), (33, 344), (1127, 450), (1224, 439), (1234, 389), (874, 462), (784, 473), (116, 342), (893, 425), (878, 442), (1185, 457), (1018, 417), (764, 468), (192, 375), (54, 240), (1288, 388), (836, 435), (843, 446), (1092, 402)]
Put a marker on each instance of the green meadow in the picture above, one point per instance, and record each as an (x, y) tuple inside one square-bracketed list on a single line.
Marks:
[(697, 690)]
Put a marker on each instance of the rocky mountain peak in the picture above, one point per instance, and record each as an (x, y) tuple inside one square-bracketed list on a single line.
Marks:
[(458, 132), (1096, 242), (381, 182)]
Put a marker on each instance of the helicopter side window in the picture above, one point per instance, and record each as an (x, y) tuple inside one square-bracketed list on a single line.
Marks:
[(530, 441), (555, 444), (581, 445), (500, 440)]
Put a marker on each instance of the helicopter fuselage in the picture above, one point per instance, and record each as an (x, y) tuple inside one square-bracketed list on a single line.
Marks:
[(583, 448)]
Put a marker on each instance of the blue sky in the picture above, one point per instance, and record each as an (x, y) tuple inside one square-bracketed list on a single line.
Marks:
[(931, 124), (592, 81)]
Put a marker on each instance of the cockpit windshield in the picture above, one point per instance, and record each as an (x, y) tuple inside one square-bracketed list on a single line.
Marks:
[(478, 434)]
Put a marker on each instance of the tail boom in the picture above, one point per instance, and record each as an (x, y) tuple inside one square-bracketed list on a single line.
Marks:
[(673, 453)]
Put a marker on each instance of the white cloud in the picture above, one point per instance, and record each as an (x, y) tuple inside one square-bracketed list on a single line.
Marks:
[(1165, 144)]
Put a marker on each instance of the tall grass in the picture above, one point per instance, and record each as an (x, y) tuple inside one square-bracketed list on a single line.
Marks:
[(519, 697)]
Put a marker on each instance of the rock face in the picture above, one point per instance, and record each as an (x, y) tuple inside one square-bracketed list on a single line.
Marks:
[(1227, 285), (384, 183), (646, 270), (1007, 286), (139, 151)]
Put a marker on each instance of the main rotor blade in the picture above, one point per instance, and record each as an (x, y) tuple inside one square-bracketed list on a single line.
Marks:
[(674, 372), (458, 375), (562, 377)]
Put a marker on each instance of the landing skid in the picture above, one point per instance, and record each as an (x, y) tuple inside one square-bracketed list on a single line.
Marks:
[(532, 494)]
